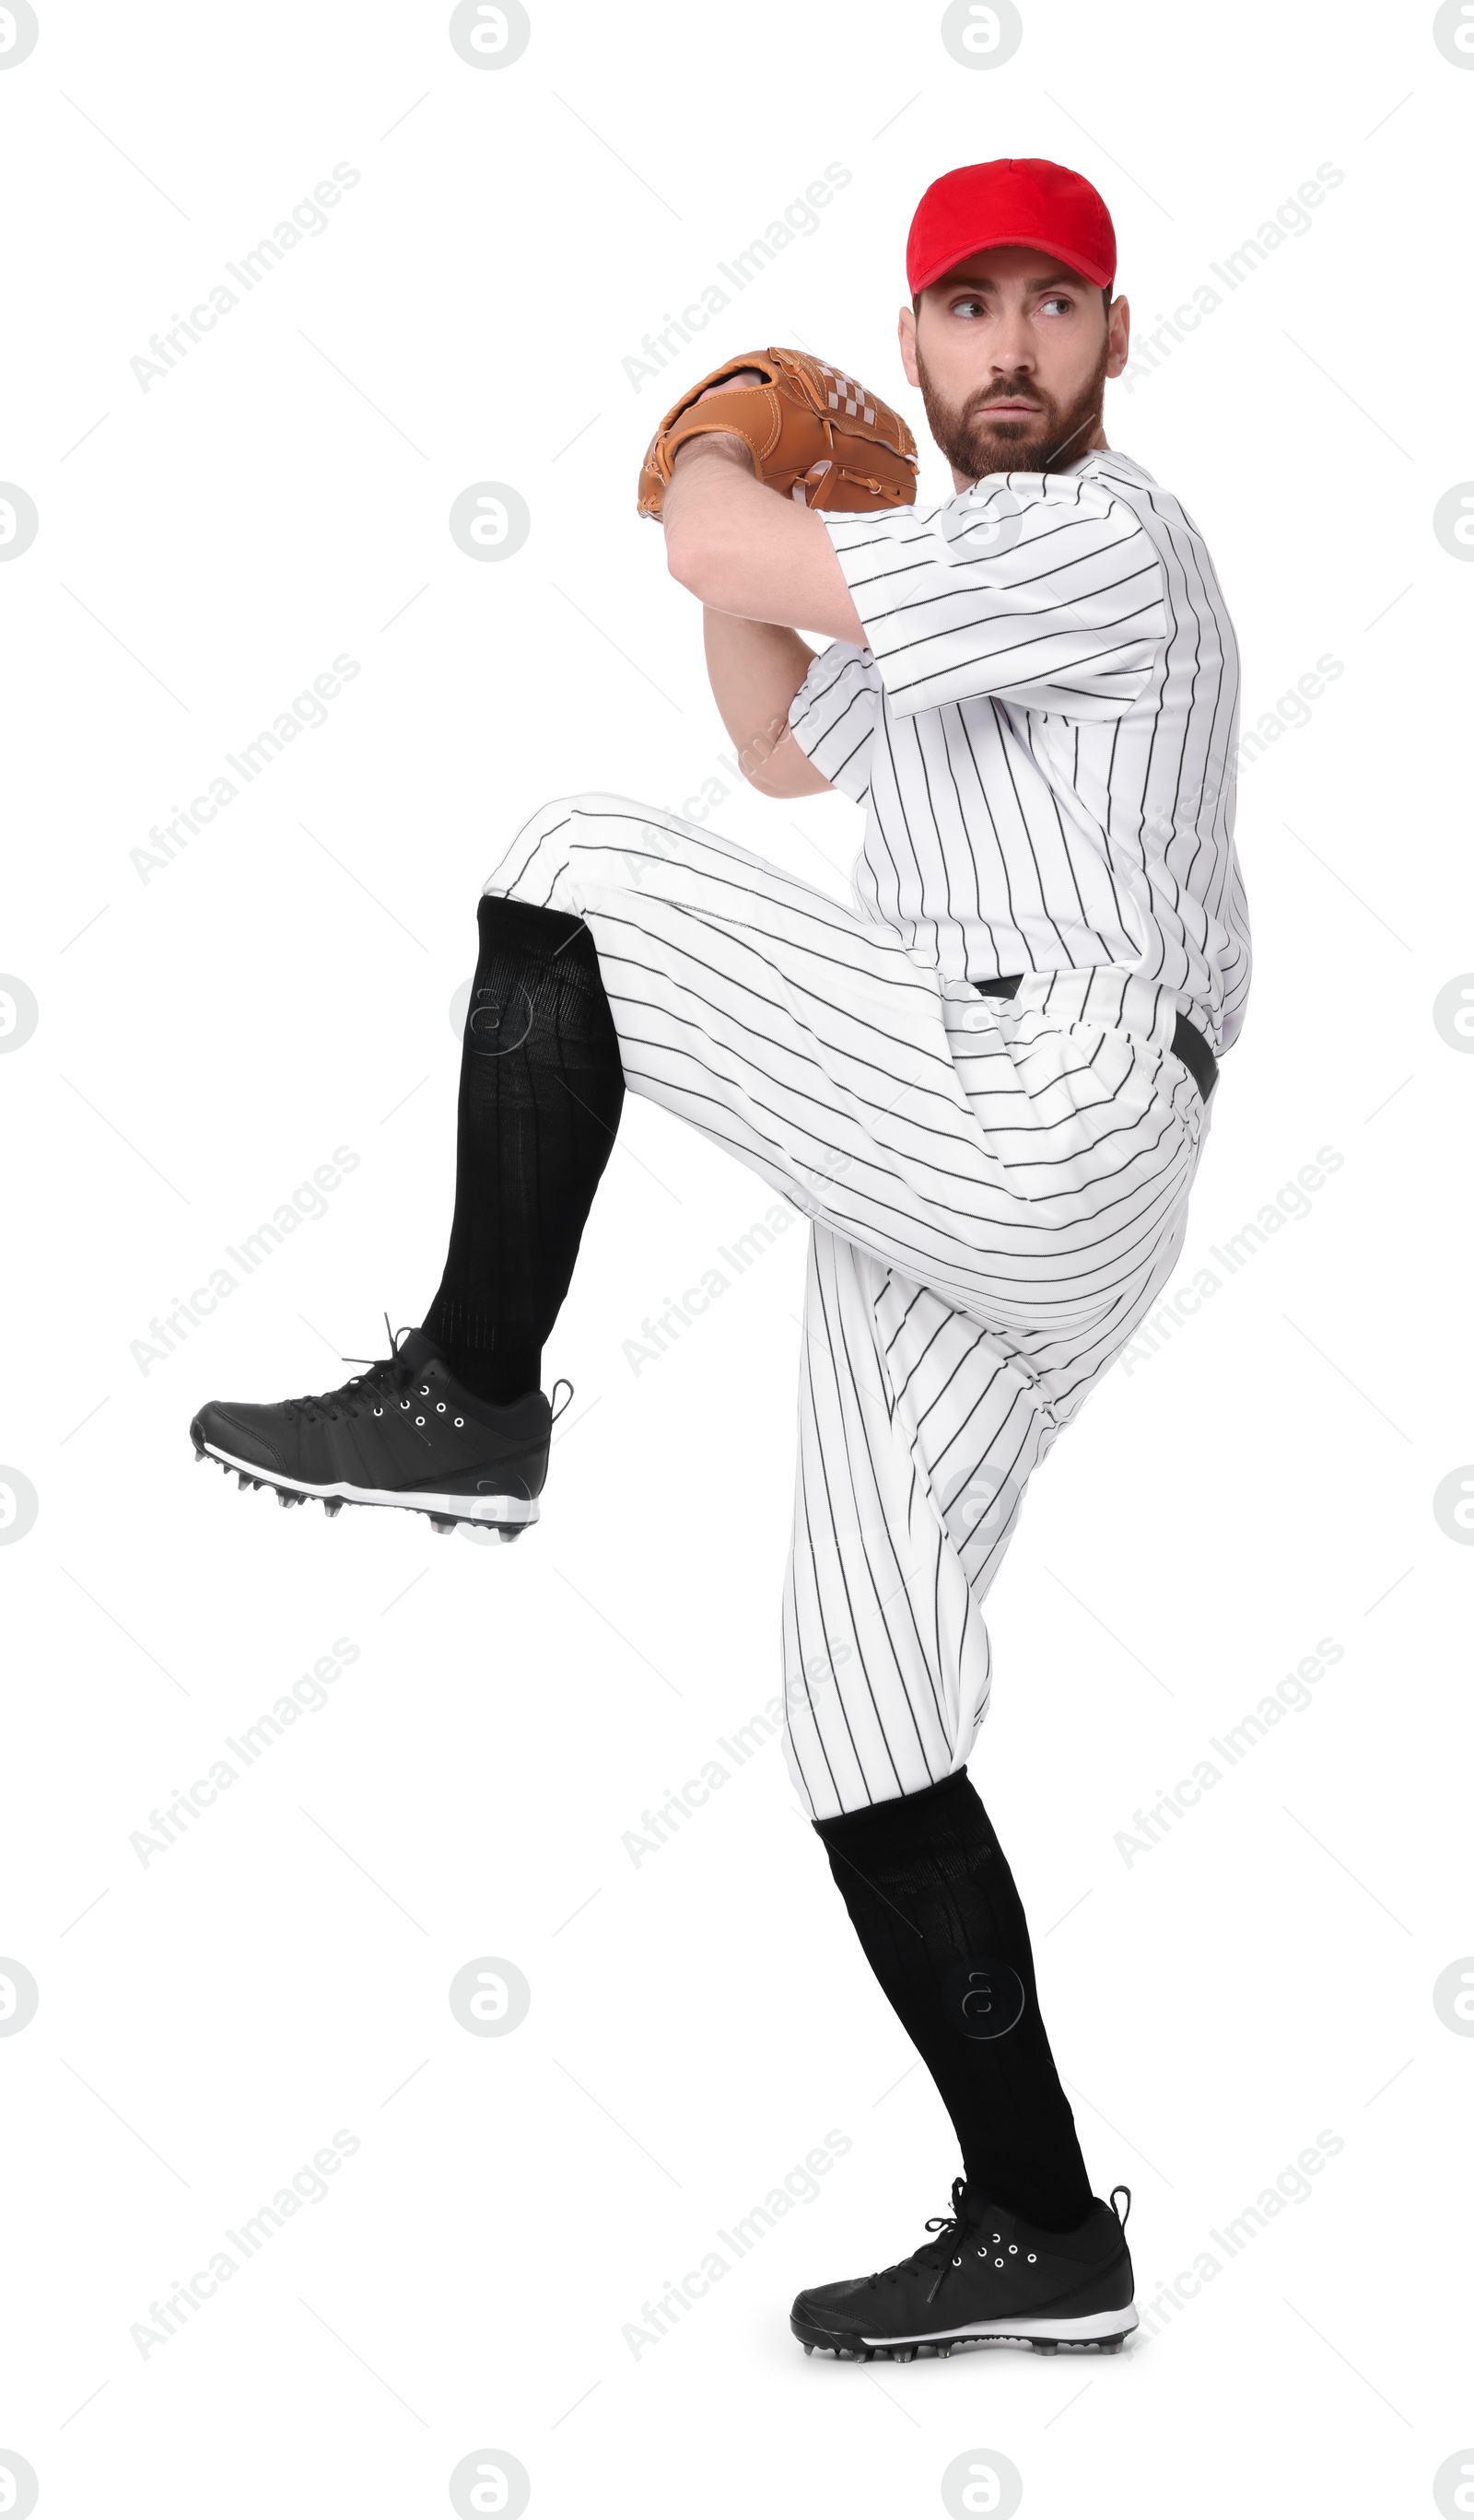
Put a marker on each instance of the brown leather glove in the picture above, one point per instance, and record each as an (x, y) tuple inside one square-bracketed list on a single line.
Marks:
[(812, 433)]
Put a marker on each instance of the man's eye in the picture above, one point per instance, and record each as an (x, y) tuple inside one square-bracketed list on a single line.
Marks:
[(969, 306), (1067, 304)]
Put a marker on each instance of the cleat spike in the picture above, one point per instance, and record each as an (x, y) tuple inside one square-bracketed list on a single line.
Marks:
[(243, 1479), (904, 2354), (1112, 2344), (1044, 2344), (199, 1452), (332, 1506), (443, 1522)]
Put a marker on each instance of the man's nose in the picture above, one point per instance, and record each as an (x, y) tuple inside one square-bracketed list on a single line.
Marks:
[(1012, 348)]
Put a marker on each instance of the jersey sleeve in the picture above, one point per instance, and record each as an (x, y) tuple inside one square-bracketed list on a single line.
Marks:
[(833, 715), (1042, 588)]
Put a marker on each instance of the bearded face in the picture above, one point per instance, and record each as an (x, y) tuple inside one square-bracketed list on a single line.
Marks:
[(1013, 423)]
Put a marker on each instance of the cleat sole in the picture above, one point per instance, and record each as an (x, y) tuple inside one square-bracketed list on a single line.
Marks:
[(1104, 2332), (508, 1516)]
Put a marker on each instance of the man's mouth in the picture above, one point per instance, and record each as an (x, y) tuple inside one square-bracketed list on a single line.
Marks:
[(1011, 410)]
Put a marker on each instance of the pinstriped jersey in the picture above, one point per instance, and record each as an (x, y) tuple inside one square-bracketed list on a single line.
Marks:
[(1041, 729)]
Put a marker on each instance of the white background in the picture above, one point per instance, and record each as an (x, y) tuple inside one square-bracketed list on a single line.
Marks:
[(209, 1036)]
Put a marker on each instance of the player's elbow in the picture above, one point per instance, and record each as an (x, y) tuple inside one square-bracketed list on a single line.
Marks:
[(703, 558), (785, 770)]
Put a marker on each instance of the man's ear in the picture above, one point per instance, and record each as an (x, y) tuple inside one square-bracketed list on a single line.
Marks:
[(1118, 335), (905, 334)]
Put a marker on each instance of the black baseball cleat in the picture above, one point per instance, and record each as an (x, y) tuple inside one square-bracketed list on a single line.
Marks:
[(402, 1434), (989, 2277)]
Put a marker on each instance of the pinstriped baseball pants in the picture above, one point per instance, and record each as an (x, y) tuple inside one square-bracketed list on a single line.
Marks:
[(998, 1191)]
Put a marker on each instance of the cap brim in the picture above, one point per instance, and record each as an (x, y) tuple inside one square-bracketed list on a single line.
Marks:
[(1091, 271)]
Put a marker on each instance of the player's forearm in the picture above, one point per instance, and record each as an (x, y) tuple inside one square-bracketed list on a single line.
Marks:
[(742, 550), (755, 668)]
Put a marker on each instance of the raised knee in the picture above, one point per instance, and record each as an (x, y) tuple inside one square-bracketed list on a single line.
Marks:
[(591, 801), (542, 848)]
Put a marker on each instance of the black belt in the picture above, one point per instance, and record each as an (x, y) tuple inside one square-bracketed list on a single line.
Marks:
[(1187, 1043)]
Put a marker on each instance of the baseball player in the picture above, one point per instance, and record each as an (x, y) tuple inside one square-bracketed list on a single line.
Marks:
[(985, 1081)]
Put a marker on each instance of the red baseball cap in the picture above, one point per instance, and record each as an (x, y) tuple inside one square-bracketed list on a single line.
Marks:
[(1010, 201)]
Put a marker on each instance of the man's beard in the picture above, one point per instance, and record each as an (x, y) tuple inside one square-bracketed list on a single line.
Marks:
[(1057, 433)]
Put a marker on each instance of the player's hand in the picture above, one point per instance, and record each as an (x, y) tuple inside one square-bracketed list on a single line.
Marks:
[(784, 420), (739, 377), (720, 441)]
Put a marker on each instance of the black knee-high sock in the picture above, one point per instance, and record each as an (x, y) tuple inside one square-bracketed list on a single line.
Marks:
[(541, 1089), (934, 1902)]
